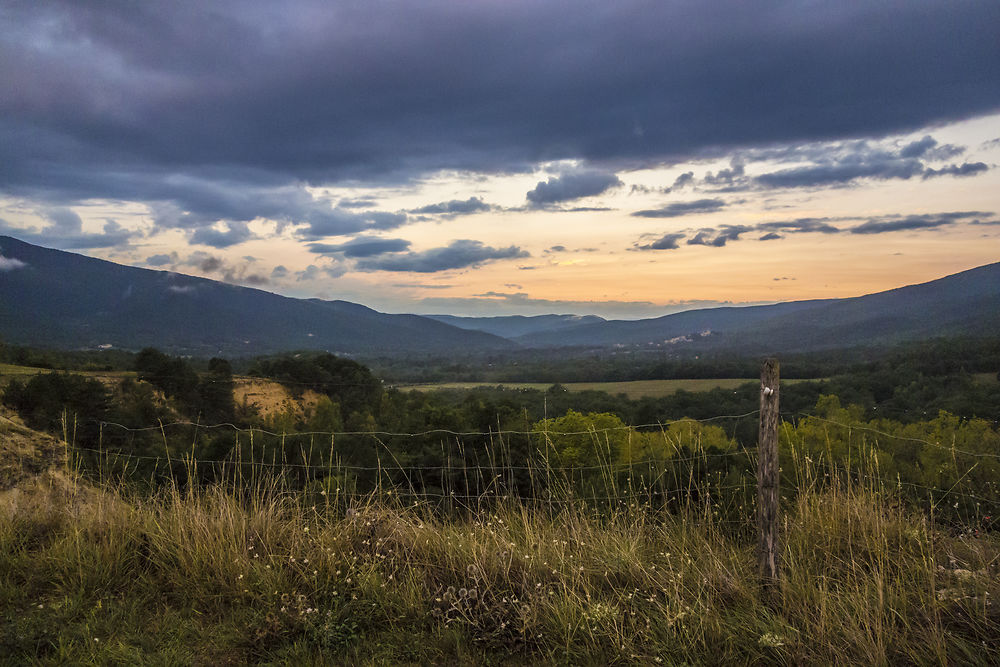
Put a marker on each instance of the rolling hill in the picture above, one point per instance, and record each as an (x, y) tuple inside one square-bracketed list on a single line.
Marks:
[(61, 299), (963, 304), (514, 326)]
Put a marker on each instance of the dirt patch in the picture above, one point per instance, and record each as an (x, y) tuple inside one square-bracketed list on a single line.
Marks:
[(25, 453), (33, 471), (270, 398)]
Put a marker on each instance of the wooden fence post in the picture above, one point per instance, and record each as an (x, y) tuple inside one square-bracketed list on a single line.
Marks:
[(767, 475)]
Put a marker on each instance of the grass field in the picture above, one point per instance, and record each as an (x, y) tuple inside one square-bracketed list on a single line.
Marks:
[(10, 371), (635, 389), (95, 575)]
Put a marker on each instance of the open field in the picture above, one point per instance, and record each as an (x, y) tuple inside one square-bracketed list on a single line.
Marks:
[(270, 397), (10, 371), (634, 389), (985, 378)]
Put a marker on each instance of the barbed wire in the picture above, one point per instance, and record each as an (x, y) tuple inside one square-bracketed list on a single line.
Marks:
[(418, 434), (491, 472), (648, 463)]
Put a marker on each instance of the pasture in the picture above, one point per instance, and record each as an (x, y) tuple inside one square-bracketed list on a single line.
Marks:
[(633, 389)]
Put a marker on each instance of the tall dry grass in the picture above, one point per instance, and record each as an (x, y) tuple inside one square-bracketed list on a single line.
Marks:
[(257, 572)]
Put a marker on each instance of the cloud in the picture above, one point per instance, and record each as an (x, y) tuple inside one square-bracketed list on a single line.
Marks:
[(571, 185), (338, 222), (665, 242), (727, 176), (684, 180), (360, 202), (965, 169), (145, 81), (161, 260), (927, 147), (843, 163), (454, 207), (64, 230), (311, 272), (361, 246), (10, 263), (235, 233), (841, 173), (678, 209), (800, 225), (279, 272), (910, 222), (212, 264), (456, 255), (773, 231), (718, 238), (164, 104)]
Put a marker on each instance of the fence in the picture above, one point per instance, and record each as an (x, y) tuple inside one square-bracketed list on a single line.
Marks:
[(662, 465)]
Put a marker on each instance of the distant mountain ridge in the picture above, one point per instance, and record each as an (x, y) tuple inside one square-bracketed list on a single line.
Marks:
[(514, 326), (61, 299), (963, 304)]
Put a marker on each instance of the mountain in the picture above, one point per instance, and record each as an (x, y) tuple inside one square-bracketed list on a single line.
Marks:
[(513, 326), (60, 299), (963, 304)]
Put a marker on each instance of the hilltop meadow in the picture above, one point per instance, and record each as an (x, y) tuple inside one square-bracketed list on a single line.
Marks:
[(153, 511)]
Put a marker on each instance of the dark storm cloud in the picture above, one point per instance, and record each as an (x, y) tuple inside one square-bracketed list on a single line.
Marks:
[(680, 208), (362, 246), (965, 169), (126, 100), (338, 222), (573, 185), (455, 207), (456, 255)]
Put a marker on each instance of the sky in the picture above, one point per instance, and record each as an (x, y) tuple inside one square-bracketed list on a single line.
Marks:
[(626, 159)]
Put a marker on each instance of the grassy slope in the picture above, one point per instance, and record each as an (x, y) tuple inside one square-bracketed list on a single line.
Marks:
[(289, 578)]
